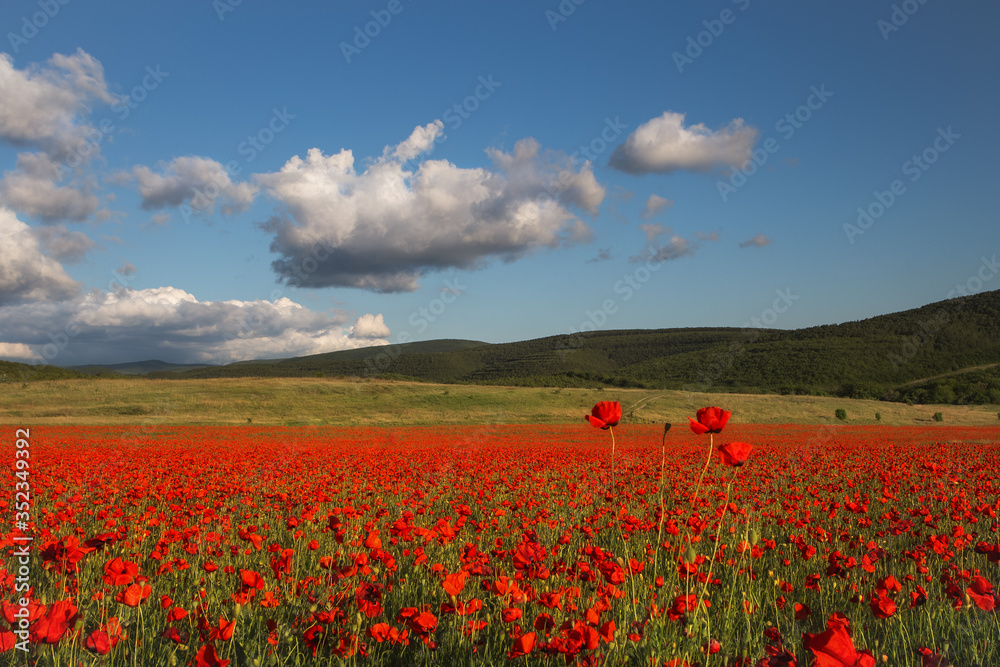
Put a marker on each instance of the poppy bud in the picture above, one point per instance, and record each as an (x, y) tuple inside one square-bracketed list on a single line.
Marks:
[(690, 554), (754, 537)]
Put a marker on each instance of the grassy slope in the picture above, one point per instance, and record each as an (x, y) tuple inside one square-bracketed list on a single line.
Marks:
[(299, 401), (866, 359)]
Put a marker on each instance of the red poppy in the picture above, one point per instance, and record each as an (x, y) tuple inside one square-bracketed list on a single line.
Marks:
[(835, 648), (523, 645), (734, 454), (710, 420), (104, 638), (207, 657), (605, 414), (454, 583), (120, 572), (369, 598), (51, 627), (134, 595), (981, 592)]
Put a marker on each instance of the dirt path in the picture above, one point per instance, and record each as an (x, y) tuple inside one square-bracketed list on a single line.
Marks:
[(944, 375)]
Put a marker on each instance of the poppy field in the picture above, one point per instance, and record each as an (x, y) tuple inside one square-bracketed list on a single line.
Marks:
[(600, 543)]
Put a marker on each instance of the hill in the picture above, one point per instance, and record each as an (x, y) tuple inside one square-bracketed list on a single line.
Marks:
[(136, 367), (877, 358)]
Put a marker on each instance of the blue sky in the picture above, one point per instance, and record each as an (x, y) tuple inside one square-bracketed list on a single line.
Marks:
[(278, 182)]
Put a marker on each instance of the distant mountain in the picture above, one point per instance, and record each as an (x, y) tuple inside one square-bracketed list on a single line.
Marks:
[(136, 367), (883, 357)]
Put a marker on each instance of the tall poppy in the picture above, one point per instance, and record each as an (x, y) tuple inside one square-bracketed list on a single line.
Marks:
[(734, 454), (605, 414), (710, 420)]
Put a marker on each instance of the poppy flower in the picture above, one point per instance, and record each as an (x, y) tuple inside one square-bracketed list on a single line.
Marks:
[(981, 592), (134, 595), (454, 583), (710, 420), (605, 414), (51, 627), (835, 648), (369, 597), (207, 657), (523, 645), (734, 454)]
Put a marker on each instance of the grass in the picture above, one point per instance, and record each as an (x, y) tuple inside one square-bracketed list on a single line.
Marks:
[(337, 401)]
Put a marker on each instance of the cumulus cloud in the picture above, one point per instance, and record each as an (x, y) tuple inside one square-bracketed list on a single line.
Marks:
[(62, 244), (43, 105), (27, 274), (664, 144), (370, 326), (171, 324), (384, 227), (33, 189), (758, 241), (16, 352), (656, 205), (197, 181)]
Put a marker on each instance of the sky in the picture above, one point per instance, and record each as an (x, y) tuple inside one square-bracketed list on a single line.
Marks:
[(212, 181)]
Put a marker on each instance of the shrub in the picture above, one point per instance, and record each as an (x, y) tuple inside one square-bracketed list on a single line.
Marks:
[(319, 374), (938, 417), (878, 416), (841, 414)]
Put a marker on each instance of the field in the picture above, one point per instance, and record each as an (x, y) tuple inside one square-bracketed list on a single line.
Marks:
[(505, 544), (343, 402)]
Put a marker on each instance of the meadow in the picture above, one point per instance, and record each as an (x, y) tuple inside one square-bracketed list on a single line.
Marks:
[(492, 540), (339, 401)]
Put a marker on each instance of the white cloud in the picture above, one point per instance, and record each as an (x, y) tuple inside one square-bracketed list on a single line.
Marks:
[(656, 205), (384, 227), (33, 189), (758, 241), (62, 244), (16, 352), (664, 144), (26, 273), (370, 326), (42, 106), (171, 324), (197, 181)]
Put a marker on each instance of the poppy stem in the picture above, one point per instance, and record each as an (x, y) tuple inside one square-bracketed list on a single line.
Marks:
[(659, 533), (612, 430)]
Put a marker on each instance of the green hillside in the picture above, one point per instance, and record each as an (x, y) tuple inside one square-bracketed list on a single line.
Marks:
[(878, 358)]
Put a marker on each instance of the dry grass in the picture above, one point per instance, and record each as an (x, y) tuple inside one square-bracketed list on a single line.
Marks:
[(294, 401)]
